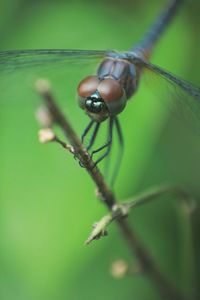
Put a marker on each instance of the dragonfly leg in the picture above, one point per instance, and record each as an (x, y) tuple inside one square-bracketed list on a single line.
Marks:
[(121, 149), (107, 145), (86, 130), (101, 148), (93, 137)]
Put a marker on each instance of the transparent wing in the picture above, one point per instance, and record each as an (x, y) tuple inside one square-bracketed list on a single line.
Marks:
[(179, 96), (19, 71), (64, 68), (188, 88), (19, 59)]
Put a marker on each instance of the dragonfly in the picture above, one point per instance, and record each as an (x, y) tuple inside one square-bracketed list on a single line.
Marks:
[(104, 96)]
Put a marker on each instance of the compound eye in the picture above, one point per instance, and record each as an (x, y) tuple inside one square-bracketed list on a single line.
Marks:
[(113, 95), (110, 90), (88, 86)]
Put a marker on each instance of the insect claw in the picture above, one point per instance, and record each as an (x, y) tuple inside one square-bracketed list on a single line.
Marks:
[(81, 165)]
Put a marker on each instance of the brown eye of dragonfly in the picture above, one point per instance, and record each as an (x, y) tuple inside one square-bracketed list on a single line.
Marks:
[(110, 90), (113, 95), (88, 86)]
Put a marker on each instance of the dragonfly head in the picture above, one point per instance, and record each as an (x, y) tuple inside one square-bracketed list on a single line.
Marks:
[(101, 98)]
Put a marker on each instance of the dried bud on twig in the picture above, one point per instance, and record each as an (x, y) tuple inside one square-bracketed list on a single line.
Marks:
[(46, 135), (42, 86), (44, 117), (119, 269)]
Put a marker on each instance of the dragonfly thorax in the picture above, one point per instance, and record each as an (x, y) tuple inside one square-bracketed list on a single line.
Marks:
[(101, 98)]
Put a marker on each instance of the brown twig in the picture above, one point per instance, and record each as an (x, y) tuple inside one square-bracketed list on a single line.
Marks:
[(149, 267)]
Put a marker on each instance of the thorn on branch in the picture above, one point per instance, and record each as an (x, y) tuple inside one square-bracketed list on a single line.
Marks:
[(99, 229)]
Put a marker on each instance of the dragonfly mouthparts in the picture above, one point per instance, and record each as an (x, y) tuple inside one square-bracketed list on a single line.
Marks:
[(95, 104)]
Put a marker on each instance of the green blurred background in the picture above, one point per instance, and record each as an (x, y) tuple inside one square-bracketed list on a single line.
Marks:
[(47, 201)]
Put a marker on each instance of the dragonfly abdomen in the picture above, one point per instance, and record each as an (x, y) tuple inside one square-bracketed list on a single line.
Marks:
[(152, 36)]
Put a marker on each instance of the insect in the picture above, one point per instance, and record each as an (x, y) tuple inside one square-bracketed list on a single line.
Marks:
[(103, 96)]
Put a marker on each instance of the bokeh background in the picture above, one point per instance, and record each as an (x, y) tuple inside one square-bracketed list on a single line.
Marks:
[(47, 201)]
